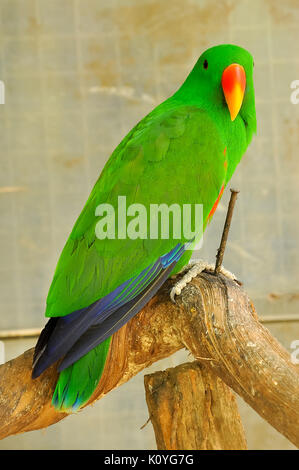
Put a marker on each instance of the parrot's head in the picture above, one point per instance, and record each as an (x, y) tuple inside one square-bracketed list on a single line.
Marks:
[(222, 81)]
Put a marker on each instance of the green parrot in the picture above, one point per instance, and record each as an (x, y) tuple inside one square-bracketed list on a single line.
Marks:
[(183, 152)]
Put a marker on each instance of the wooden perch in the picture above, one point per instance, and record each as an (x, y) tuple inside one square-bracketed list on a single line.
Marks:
[(213, 318), (192, 409)]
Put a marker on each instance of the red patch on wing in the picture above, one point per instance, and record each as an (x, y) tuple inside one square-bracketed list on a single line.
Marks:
[(224, 151), (225, 164), (213, 210)]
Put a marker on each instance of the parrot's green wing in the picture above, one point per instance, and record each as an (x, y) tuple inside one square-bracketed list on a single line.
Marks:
[(175, 155)]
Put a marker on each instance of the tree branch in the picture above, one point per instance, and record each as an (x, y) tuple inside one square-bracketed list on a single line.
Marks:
[(229, 215), (192, 409), (213, 318)]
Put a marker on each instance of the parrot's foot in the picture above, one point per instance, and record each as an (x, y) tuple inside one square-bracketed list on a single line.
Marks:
[(192, 270)]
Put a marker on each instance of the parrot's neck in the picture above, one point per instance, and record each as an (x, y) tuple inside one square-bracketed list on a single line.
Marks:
[(236, 135), (205, 97)]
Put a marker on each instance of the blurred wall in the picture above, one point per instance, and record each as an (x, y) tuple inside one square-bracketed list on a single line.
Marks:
[(78, 75)]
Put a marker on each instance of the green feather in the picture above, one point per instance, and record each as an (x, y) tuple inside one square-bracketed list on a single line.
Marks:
[(77, 382)]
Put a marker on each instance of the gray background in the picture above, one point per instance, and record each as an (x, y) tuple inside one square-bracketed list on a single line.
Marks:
[(78, 75)]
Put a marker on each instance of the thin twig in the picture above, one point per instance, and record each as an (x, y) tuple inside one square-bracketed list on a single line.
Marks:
[(221, 249), (146, 423)]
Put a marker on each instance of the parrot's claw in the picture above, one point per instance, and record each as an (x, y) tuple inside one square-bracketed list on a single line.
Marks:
[(192, 270)]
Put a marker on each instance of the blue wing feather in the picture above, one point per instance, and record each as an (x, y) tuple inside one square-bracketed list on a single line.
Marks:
[(75, 334)]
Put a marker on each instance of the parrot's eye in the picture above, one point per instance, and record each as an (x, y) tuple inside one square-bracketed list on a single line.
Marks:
[(205, 64)]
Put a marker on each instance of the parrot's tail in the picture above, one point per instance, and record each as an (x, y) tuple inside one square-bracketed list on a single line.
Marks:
[(77, 382)]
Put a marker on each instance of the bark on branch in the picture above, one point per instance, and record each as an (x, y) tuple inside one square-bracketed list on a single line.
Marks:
[(192, 409), (214, 319)]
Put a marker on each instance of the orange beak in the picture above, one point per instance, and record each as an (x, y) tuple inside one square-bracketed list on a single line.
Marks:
[(233, 84)]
